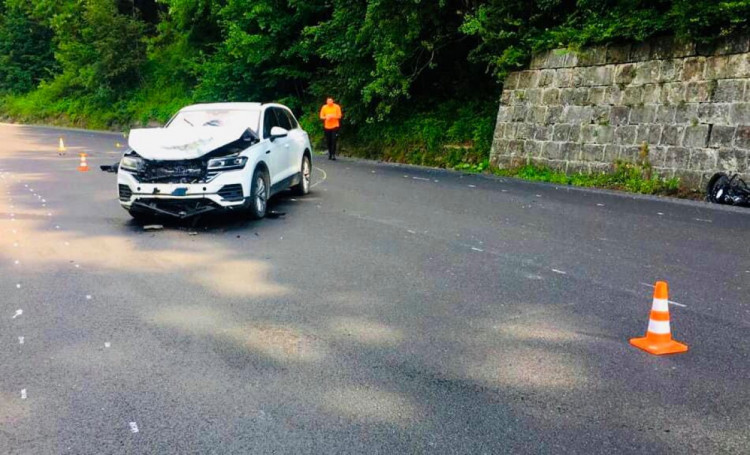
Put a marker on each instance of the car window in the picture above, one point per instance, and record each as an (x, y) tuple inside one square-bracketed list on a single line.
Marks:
[(269, 121), (283, 120), (292, 120)]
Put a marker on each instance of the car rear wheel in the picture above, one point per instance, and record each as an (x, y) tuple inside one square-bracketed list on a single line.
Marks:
[(303, 187), (259, 191)]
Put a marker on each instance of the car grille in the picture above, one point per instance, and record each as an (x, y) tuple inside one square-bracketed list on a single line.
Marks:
[(125, 192), (231, 192), (187, 171)]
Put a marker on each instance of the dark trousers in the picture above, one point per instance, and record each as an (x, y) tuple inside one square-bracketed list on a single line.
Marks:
[(331, 141)]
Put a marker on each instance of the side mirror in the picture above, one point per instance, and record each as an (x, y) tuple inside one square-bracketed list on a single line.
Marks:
[(278, 131)]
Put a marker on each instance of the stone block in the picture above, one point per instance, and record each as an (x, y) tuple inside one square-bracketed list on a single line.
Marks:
[(656, 154), (727, 67), (525, 131), (553, 114), (676, 158), (558, 165), (619, 115), (556, 58), (533, 95), (543, 133), (693, 69), (611, 153), (652, 93), (742, 137), (644, 113), (592, 152), (702, 159), (570, 150), (528, 79), (604, 134), (533, 148), (625, 74), (575, 133), (578, 167), (509, 132), (729, 91), (721, 136), (683, 48), (596, 95), (672, 135), (600, 75), (506, 97), (618, 54), (587, 134), (673, 93), (546, 78), (686, 113), (613, 95), (519, 97), (551, 96), (698, 92), (632, 95), (690, 179), (714, 113), (746, 97), (640, 52), (538, 60), (650, 134), (732, 45), (574, 96), (696, 136), (577, 114), (594, 55), (551, 150), (661, 48), (519, 112), (563, 78), (625, 135), (732, 160), (600, 113), (740, 113), (665, 114), (515, 147), (647, 72), (630, 153), (511, 82), (671, 70), (504, 114), (561, 132), (536, 114)]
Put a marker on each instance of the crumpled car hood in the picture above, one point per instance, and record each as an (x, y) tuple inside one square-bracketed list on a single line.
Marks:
[(181, 143)]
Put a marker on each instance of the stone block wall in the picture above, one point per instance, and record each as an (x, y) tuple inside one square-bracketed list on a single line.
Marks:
[(582, 111)]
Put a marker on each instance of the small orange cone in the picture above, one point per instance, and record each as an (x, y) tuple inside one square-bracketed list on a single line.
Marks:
[(61, 147), (83, 167), (658, 339)]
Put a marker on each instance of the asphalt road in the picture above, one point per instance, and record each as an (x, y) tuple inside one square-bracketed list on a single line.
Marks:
[(393, 310)]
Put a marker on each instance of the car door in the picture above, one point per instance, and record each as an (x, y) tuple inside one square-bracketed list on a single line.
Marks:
[(275, 151), (297, 142), (285, 143)]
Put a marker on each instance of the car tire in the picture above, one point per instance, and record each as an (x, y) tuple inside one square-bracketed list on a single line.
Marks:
[(259, 191), (303, 187)]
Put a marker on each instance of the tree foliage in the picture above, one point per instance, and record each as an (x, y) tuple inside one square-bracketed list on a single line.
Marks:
[(389, 62)]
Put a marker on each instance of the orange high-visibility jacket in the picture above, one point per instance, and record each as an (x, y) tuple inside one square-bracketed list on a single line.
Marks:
[(335, 111)]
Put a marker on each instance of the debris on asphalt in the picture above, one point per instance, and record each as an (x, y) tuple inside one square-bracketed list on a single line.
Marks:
[(153, 227), (192, 233)]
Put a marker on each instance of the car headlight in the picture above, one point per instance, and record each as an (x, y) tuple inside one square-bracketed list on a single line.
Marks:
[(131, 163), (227, 163)]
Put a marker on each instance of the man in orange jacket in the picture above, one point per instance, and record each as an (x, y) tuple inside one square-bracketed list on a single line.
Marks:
[(330, 113)]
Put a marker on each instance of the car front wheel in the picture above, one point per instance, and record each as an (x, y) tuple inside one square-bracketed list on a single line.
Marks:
[(259, 191), (303, 187)]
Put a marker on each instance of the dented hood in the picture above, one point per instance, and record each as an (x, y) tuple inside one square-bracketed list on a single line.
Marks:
[(181, 143)]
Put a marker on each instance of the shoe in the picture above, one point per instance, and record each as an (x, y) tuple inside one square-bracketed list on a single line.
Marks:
[(334, 158)]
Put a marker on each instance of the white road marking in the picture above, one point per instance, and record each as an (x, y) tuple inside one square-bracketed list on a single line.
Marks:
[(538, 195), (19, 312), (21, 340), (16, 262), (18, 285), (600, 205), (703, 221), (88, 297), (560, 272), (325, 176), (421, 178), (411, 232), (133, 427), (472, 186), (477, 249), (23, 394), (660, 213), (107, 344), (436, 181)]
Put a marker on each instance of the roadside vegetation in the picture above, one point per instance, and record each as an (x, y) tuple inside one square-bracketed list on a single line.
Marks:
[(419, 80)]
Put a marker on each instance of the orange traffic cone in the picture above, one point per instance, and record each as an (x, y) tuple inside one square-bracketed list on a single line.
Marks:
[(658, 339), (83, 167)]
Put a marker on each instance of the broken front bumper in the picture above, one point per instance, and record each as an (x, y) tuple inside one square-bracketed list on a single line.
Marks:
[(180, 200)]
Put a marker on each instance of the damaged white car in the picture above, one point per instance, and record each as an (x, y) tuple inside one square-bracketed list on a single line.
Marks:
[(223, 156)]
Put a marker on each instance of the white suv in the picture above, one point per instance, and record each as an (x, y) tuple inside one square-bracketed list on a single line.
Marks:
[(227, 156)]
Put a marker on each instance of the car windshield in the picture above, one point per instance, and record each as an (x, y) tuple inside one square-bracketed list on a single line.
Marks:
[(217, 118)]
